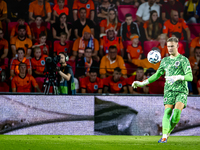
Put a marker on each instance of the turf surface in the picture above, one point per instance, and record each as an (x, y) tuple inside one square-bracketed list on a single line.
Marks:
[(56, 142)]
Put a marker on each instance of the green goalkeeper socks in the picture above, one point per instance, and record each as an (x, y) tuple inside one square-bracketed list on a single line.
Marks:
[(175, 119), (166, 120)]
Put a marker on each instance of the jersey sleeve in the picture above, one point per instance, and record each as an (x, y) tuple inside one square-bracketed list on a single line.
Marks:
[(76, 45), (187, 70), (96, 45), (30, 7), (28, 30), (33, 81), (13, 83), (158, 73), (82, 83), (12, 33), (92, 6), (75, 5), (106, 81), (48, 7), (102, 69), (193, 43), (184, 24), (30, 44), (12, 41), (165, 28)]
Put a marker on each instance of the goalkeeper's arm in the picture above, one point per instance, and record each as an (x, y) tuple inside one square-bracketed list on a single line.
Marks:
[(153, 78)]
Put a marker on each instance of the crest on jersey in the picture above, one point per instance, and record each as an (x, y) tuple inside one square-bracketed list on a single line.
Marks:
[(138, 50), (95, 87), (65, 49), (42, 62), (107, 51), (177, 63), (88, 6), (120, 85)]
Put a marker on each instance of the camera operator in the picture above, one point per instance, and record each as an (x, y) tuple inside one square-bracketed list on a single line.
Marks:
[(66, 85)]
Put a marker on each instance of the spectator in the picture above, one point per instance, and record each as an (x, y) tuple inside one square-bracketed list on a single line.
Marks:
[(152, 27), (17, 8), (169, 6), (176, 24), (87, 40), (162, 38), (111, 21), (91, 83), (111, 61), (4, 85), (102, 9), (195, 42), (42, 44), (37, 28), (3, 48), (144, 63), (62, 46), (143, 12), (14, 30), (181, 49), (40, 8), (23, 82), (115, 83), (14, 65), (111, 38), (80, 24), (21, 41), (61, 26), (191, 11), (87, 4), (128, 28), (3, 11), (59, 8), (134, 51), (85, 63), (38, 63), (138, 77)]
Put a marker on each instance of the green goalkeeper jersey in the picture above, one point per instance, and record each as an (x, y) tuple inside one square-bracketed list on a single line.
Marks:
[(178, 65)]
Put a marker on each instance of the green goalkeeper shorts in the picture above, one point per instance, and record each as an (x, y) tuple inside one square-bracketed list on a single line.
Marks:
[(171, 98)]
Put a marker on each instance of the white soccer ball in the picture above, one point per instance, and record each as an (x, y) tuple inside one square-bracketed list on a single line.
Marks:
[(153, 56)]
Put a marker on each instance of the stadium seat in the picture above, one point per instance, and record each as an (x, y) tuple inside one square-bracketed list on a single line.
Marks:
[(125, 9), (157, 87), (194, 29), (148, 45), (130, 68)]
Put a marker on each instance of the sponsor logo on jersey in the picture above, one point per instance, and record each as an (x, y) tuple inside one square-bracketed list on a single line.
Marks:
[(120, 85), (95, 87), (88, 6), (177, 63), (42, 62)]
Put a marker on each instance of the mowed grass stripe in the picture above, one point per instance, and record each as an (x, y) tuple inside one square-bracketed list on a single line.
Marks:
[(67, 142)]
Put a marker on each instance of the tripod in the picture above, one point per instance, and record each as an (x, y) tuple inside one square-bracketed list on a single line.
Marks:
[(51, 82)]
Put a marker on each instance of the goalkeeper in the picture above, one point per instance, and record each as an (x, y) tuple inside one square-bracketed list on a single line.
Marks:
[(177, 71)]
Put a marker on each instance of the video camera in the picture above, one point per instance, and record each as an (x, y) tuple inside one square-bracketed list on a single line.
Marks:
[(51, 63)]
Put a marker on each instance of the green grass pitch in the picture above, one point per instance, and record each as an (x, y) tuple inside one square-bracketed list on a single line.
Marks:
[(67, 142)]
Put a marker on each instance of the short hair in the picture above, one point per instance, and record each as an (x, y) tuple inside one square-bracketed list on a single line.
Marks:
[(21, 63), (21, 27), (36, 48), (112, 47), (21, 50), (88, 48), (117, 69), (128, 15), (140, 68), (63, 33), (92, 70), (42, 34), (63, 54), (172, 39), (38, 16), (82, 8)]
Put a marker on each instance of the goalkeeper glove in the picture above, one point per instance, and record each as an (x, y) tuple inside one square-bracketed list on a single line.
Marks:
[(172, 79), (136, 84)]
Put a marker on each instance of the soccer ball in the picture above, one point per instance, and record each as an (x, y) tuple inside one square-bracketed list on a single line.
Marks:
[(154, 57)]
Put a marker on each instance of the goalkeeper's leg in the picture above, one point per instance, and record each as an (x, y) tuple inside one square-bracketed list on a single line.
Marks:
[(176, 116)]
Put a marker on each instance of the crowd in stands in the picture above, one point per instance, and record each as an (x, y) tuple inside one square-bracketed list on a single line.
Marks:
[(107, 50)]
